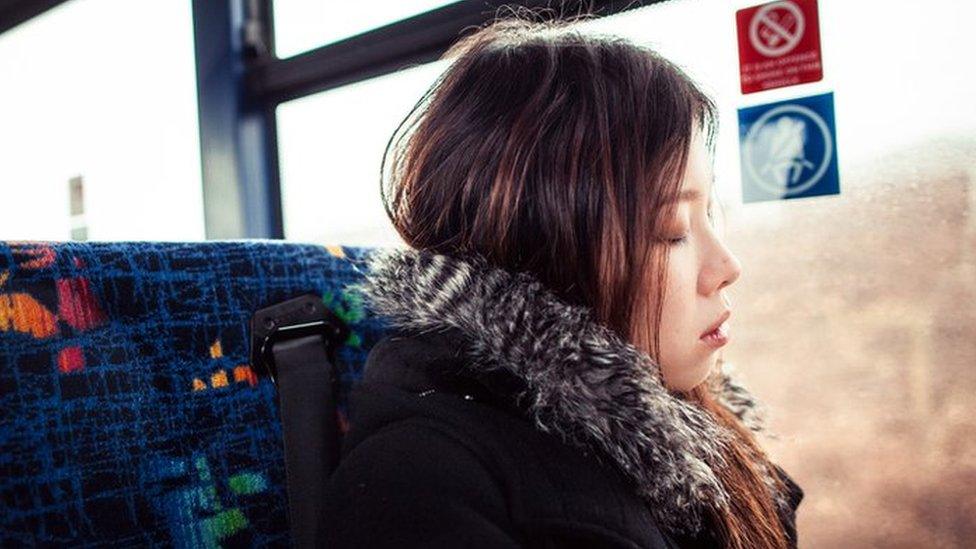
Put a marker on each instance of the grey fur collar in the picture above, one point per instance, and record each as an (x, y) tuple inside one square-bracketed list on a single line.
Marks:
[(584, 383)]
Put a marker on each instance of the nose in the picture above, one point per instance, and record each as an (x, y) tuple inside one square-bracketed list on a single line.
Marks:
[(732, 268), (722, 269)]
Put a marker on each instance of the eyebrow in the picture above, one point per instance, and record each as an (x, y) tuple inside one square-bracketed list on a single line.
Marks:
[(691, 194), (687, 195)]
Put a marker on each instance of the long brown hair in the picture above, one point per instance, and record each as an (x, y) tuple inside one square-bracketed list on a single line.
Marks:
[(559, 153)]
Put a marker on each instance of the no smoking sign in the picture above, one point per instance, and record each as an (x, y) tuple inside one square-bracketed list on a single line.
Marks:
[(779, 45)]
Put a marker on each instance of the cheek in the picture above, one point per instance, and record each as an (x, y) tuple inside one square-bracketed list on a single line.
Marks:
[(677, 330), (679, 297)]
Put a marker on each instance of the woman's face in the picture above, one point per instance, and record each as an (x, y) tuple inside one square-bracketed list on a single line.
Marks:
[(700, 267)]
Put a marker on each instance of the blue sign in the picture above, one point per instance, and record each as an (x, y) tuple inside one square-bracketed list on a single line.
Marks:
[(788, 149)]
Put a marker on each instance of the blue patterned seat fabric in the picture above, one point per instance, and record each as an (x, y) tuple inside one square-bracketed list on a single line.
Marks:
[(130, 413)]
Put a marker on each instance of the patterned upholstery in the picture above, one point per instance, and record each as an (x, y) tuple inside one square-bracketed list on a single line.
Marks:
[(131, 416)]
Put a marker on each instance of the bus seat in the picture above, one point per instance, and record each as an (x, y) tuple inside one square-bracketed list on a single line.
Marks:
[(131, 412)]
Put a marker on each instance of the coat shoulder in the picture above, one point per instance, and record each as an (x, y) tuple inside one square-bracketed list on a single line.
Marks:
[(414, 483), (467, 472)]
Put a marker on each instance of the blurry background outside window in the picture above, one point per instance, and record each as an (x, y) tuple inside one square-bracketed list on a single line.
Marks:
[(300, 25), (98, 101)]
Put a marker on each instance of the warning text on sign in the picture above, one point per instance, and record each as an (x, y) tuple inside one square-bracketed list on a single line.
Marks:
[(779, 45)]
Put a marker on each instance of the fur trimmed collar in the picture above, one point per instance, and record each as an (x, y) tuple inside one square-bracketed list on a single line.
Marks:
[(583, 382)]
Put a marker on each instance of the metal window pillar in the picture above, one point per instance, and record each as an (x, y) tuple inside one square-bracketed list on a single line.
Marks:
[(238, 141)]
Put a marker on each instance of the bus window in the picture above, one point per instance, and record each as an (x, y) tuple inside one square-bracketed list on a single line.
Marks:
[(331, 145), (86, 99), (301, 26), (855, 313)]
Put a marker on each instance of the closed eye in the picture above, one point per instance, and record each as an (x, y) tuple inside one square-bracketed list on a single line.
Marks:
[(678, 240)]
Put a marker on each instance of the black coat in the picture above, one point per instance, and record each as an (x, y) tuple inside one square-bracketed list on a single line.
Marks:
[(446, 453)]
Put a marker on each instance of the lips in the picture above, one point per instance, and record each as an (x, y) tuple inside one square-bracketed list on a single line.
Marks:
[(725, 316)]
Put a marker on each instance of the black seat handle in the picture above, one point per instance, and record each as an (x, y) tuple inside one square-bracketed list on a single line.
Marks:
[(295, 343)]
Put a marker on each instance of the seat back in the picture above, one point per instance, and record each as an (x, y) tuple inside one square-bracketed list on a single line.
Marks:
[(131, 413)]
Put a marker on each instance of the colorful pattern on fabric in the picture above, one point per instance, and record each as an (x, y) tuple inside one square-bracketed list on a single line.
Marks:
[(131, 415)]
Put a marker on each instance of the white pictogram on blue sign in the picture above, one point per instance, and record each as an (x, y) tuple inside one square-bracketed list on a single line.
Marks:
[(788, 149)]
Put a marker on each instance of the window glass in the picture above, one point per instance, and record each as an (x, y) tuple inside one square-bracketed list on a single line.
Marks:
[(855, 315), (331, 146), (99, 135), (300, 25)]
